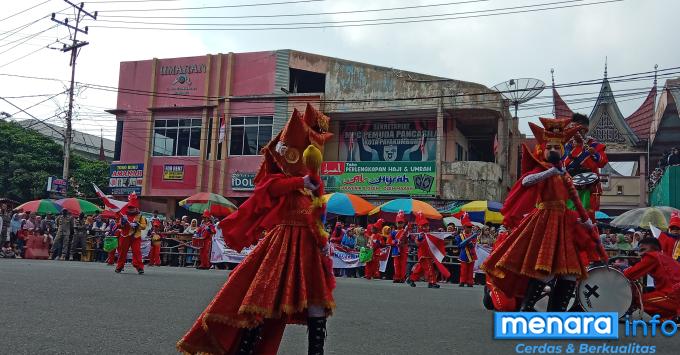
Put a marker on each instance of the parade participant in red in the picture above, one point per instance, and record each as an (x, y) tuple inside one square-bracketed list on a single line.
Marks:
[(431, 251), (288, 277), (548, 242), (670, 241), (205, 233), (131, 226), (585, 154), (665, 299), (155, 252), (494, 297), (399, 243), (375, 241), (466, 242)]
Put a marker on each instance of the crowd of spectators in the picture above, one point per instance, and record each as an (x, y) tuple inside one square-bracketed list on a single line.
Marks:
[(670, 158)]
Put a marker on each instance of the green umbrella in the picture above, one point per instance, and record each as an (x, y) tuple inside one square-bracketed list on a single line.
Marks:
[(41, 207), (78, 206)]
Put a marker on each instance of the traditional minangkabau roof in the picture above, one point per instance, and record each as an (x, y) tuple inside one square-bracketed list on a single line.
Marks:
[(607, 124), (641, 120)]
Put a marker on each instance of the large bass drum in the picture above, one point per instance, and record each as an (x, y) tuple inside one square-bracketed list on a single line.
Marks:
[(605, 290)]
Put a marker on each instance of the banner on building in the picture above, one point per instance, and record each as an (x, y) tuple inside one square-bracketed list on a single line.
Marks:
[(126, 178), (380, 178), (413, 140), (173, 172), (243, 181), (56, 185)]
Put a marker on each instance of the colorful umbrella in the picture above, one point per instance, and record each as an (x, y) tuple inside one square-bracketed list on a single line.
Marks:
[(78, 206), (642, 217), (346, 204), (41, 207), (409, 206), (456, 222), (599, 215), (483, 211), (216, 204)]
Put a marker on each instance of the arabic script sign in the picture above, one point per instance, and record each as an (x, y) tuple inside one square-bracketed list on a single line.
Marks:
[(380, 178)]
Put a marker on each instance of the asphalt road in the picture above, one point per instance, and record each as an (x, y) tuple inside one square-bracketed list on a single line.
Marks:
[(52, 307)]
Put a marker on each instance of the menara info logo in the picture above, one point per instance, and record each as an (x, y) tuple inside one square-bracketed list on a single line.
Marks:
[(553, 325)]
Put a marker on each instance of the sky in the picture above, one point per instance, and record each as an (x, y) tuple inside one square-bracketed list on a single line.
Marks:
[(632, 35)]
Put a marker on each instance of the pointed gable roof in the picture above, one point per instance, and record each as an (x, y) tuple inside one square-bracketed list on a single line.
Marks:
[(561, 108), (607, 124), (641, 120)]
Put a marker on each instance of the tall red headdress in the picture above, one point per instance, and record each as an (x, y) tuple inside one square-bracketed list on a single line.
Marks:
[(421, 220), (401, 217), (465, 220)]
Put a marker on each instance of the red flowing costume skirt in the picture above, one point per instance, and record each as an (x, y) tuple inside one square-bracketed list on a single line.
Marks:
[(276, 283), (544, 244)]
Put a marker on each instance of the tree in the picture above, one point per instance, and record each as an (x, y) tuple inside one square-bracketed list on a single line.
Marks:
[(28, 158)]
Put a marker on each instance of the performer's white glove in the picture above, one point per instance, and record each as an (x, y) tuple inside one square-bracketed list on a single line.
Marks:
[(588, 223), (556, 171), (280, 148), (533, 179), (309, 184)]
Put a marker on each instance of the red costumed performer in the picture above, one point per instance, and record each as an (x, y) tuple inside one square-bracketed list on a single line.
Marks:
[(155, 252), (399, 243), (670, 241), (374, 241), (205, 233), (131, 226), (288, 277), (665, 299), (494, 298), (466, 242), (549, 242), (431, 251)]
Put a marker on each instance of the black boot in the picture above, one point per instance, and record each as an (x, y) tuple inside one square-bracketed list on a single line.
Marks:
[(432, 285), (533, 294), (249, 340), (411, 283), (316, 328), (559, 298)]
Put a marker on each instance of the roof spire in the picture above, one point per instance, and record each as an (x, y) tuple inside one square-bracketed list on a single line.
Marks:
[(552, 74), (605, 67), (656, 67)]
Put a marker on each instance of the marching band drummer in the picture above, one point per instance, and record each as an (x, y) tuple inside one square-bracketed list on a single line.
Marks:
[(670, 241), (548, 242), (665, 299)]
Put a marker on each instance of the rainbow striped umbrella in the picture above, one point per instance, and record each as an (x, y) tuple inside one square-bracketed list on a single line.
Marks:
[(41, 207), (482, 211), (78, 206), (409, 206), (344, 204), (218, 205)]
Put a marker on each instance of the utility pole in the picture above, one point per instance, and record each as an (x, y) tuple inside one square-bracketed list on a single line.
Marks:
[(73, 48)]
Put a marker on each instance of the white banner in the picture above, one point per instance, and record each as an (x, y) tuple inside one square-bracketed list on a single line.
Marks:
[(482, 253), (383, 263), (344, 258), (220, 253)]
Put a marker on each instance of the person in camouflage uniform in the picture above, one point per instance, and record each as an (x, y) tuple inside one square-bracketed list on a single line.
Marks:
[(79, 242), (64, 232)]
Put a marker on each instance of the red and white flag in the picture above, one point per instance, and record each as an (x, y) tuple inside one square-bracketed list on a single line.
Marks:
[(114, 205), (223, 130), (495, 144)]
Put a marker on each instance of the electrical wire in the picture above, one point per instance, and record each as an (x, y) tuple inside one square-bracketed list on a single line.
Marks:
[(22, 11), (214, 7), (350, 24)]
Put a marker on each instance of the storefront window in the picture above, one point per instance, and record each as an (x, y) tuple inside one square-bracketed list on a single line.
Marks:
[(249, 134), (177, 137)]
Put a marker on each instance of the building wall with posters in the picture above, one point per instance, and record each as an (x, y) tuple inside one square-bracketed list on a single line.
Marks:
[(197, 123)]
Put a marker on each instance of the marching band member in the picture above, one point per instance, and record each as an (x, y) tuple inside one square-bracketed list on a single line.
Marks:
[(665, 299), (466, 242), (113, 230), (205, 232), (399, 243), (670, 241), (375, 242), (288, 277), (155, 252), (427, 261), (584, 154), (131, 226), (549, 242)]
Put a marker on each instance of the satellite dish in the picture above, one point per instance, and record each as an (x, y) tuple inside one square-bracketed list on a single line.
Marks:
[(519, 91)]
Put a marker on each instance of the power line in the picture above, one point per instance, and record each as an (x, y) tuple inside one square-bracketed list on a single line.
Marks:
[(28, 54), (22, 11), (25, 39), (352, 24), (217, 7), (303, 14)]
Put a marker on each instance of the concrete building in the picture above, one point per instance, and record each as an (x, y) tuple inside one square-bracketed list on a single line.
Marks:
[(83, 144), (197, 123)]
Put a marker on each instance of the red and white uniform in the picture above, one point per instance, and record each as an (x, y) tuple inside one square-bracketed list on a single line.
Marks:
[(375, 242), (670, 243), (131, 235), (399, 243), (467, 255), (204, 233), (665, 299), (155, 252), (430, 252)]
